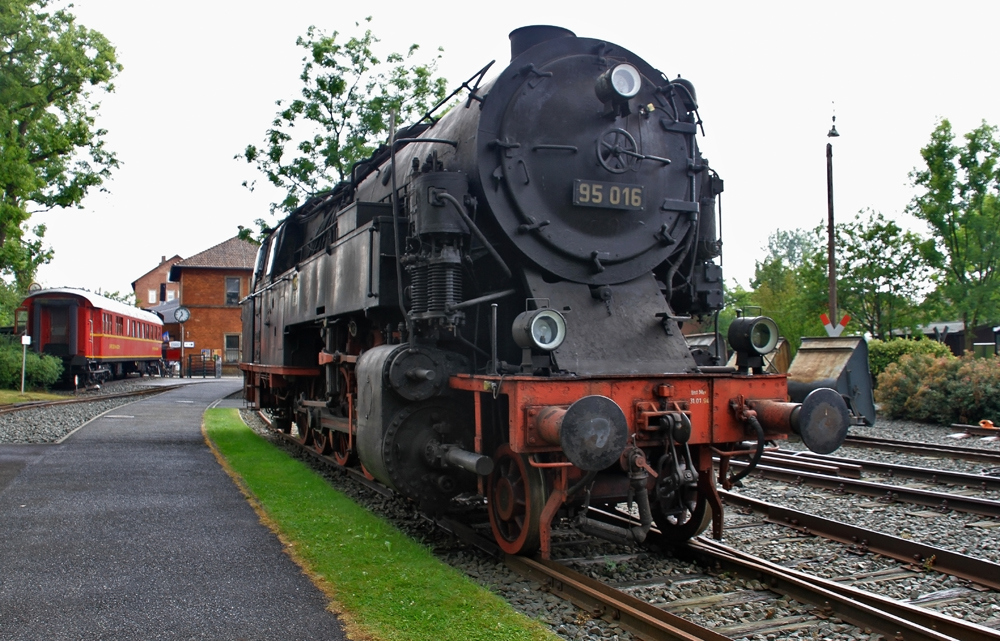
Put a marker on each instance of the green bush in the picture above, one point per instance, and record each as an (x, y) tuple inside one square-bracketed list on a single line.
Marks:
[(944, 390), (975, 390), (882, 353), (40, 372)]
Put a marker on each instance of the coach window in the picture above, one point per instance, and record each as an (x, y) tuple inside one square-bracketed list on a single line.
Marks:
[(119, 326), (232, 291), (232, 348)]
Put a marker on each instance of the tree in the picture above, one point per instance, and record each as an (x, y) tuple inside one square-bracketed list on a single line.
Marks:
[(348, 95), (881, 273), (961, 186), (789, 284), (129, 298), (51, 151)]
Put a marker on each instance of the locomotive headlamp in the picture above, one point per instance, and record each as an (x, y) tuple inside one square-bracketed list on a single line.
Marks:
[(621, 82), (757, 334), (751, 338), (542, 329)]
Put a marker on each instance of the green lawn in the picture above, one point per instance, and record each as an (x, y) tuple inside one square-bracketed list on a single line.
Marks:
[(9, 397), (383, 584)]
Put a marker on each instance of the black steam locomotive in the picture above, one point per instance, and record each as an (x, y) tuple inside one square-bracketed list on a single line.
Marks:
[(492, 304)]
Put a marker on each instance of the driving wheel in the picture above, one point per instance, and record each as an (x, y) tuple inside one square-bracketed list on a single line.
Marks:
[(516, 495)]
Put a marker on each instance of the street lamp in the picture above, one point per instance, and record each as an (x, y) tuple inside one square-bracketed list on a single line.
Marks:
[(830, 240)]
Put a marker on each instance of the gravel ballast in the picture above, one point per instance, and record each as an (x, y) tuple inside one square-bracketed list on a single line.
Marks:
[(676, 584)]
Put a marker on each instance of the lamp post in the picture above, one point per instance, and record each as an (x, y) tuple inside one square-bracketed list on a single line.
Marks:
[(831, 244)]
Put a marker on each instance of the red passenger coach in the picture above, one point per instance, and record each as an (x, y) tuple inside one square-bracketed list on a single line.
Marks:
[(96, 337)]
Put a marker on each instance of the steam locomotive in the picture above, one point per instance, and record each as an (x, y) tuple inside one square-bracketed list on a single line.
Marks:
[(492, 305)]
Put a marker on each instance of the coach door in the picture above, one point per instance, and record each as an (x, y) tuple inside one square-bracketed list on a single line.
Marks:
[(56, 327)]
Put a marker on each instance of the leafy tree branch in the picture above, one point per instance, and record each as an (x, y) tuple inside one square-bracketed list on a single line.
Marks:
[(348, 93)]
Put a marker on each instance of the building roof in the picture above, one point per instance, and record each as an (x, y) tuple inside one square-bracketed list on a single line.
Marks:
[(949, 327), (166, 309), (165, 261), (234, 253)]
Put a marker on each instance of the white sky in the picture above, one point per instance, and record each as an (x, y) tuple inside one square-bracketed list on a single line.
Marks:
[(201, 78)]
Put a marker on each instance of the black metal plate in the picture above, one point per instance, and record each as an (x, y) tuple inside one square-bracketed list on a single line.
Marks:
[(823, 420), (594, 433)]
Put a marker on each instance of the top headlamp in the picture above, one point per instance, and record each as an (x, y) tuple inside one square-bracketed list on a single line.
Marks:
[(619, 83)]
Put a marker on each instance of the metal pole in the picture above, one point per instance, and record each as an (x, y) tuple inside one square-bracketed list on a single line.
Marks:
[(831, 238), (24, 364), (831, 244)]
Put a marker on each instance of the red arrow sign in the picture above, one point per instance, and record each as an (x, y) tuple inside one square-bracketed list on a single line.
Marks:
[(831, 329)]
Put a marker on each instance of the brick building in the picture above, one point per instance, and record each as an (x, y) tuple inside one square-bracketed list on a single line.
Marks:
[(149, 287), (211, 285)]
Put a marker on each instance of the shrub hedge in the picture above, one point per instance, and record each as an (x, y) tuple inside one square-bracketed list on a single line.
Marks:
[(882, 353), (40, 372), (944, 389)]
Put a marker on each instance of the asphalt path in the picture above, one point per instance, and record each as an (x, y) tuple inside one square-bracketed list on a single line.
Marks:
[(130, 529)]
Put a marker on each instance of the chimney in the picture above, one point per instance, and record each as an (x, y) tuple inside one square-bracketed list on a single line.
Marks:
[(527, 37)]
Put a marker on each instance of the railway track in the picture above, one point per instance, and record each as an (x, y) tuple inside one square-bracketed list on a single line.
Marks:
[(853, 468), (628, 606), (829, 599), (893, 619), (882, 491), (863, 541), (934, 450), (33, 405)]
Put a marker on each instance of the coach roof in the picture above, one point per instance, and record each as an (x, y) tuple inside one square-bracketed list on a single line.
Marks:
[(101, 302)]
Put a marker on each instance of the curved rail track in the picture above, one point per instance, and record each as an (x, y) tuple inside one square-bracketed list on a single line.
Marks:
[(31, 405)]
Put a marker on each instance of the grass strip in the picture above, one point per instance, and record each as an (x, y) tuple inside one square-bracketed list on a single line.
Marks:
[(9, 397), (385, 585)]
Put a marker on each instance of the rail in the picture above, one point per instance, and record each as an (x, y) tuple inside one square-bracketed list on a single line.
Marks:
[(638, 617), (894, 619), (85, 399), (926, 449), (924, 556), (881, 491)]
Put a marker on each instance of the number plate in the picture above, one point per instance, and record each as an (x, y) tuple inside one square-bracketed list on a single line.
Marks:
[(592, 193)]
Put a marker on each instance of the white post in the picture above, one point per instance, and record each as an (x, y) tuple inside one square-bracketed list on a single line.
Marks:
[(25, 341)]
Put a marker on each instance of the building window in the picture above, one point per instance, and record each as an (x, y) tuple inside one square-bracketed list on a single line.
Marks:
[(232, 291), (232, 348), (171, 294), (152, 297)]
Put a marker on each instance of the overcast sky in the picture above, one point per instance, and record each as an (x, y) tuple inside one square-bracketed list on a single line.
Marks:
[(201, 79)]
